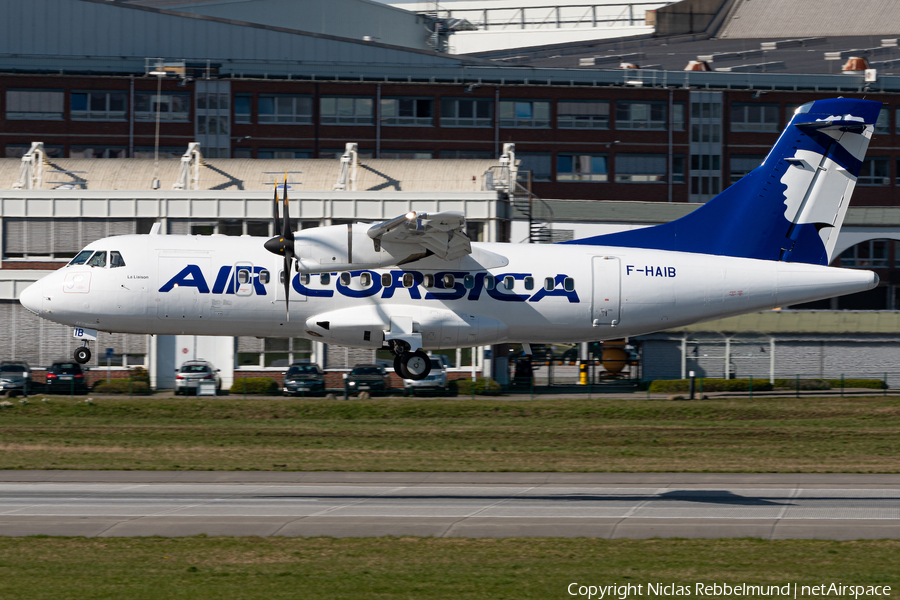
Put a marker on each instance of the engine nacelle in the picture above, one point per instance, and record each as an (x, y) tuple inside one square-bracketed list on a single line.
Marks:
[(345, 247)]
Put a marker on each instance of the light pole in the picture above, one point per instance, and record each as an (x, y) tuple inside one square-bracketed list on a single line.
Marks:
[(159, 77)]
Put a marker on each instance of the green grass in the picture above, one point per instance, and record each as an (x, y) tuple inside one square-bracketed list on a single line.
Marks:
[(830, 434), (327, 568)]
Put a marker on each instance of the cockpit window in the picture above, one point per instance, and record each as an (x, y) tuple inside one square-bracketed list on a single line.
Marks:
[(116, 260), (82, 257), (98, 259)]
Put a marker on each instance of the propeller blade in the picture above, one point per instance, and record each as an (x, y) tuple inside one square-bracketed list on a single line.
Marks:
[(287, 231), (275, 207), (287, 285)]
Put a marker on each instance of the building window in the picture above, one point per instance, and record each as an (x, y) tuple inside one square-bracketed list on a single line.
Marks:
[(641, 168), (754, 117), (706, 133), (459, 112), (866, 255), (407, 154), (678, 168), (98, 106), (97, 152), (540, 164), (242, 104), (874, 171), (524, 114), (741, 165), (19, 150), (641, 115), (37, 105), (347, 111), (883, 124), (581, 167), (705, 185), (582, 115), (172, 107), (417, 112), (210, 125), (467, 154), (678, 111), (283, 153), (280, 108)]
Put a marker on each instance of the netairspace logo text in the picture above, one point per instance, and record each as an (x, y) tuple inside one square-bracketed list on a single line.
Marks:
[(720, 590)]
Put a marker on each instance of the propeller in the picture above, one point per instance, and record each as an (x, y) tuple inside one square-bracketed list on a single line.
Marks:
[(283, 244)]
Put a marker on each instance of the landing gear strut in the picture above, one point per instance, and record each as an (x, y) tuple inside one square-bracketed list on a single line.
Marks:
[(83, 354)]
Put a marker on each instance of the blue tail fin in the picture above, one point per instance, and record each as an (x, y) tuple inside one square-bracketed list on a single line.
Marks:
[(791, 207)]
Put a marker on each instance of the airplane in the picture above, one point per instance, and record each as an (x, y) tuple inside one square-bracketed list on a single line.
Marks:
[(416, 282)]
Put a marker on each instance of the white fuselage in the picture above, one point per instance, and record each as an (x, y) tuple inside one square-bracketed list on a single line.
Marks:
[(192, 285)]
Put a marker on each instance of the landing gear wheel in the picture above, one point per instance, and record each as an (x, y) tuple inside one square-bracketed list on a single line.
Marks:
[(399, 367), (417, 364), (82, 355)]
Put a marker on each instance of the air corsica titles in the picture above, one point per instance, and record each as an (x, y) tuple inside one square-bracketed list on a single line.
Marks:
[(192, 276)]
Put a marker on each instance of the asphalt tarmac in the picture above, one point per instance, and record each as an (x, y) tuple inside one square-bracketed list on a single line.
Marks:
[(604, 505)]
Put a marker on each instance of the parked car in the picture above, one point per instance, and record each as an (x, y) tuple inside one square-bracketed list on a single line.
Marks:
[(192, 373), (368, 378), (15, 378), (304, 378), (66, 377), (435, 382)]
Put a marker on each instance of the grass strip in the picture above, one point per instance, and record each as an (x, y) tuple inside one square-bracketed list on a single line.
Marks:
[(452, 568), (830, 434)]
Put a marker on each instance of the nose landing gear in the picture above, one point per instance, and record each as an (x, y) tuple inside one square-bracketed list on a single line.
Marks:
[(83, 354)]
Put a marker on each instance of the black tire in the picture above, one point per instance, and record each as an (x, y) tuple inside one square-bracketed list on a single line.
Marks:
[(400, 368), (417, 364), (82, 355)]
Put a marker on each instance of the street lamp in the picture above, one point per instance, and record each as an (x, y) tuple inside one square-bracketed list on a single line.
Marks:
[(159, 78)]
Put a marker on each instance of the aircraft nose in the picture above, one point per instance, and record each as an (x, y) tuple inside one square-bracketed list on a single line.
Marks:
[(32, 296)]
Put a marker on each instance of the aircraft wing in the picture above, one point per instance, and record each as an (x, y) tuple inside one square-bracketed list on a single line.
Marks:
[(442, 234)]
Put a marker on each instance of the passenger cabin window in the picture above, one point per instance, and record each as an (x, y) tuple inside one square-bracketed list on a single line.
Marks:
[(408, 280), (428, 280), (509, 282), (281, 277), (489, 282), (116, 260), (569, 284), (81, 257), (449, 281), (529, 283), (243, 276), (304, 278), (549, 284), (365, 279), (386, 280), (98, 259), (469, 282), (264, 277), (345, 278), (324, 278)]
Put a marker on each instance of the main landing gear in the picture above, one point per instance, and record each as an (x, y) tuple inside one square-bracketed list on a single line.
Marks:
[(410, 365)]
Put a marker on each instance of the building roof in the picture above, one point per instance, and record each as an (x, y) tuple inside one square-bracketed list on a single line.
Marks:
[(806, 18), (235, 174), (801, 321)]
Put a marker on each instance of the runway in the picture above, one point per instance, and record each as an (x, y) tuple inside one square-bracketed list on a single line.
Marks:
[(635, 505)]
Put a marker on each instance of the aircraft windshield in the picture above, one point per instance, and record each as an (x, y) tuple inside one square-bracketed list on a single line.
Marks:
[(82, 257), (302, 370), (98, 259), (116, 260)]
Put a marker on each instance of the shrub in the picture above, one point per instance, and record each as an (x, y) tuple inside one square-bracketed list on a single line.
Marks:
[(121, 386), (265, 386), (482, 387), (871, 384), (140, 374), (667, 386), (805, 384)]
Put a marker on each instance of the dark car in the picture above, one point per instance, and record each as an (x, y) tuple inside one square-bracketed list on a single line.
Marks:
[(303, 378), (368, 378), (66, 377), (15, 378)]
